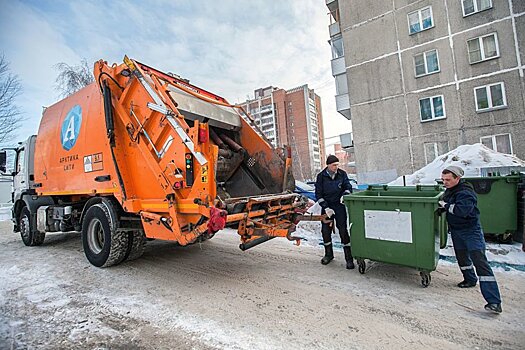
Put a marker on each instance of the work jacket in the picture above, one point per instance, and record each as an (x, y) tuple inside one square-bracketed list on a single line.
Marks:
[(328, 191), (461, 206)]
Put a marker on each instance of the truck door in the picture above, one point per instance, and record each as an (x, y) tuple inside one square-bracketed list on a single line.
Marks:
[(20, 180)]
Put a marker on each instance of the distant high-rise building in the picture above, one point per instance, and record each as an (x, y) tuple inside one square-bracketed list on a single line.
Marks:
[(292, 118), (419, 78)]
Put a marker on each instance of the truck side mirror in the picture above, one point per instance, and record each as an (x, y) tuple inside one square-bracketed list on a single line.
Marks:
[(3, 161)]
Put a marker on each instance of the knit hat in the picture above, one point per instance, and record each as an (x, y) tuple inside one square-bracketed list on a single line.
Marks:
[(454, 169), (331, 159)]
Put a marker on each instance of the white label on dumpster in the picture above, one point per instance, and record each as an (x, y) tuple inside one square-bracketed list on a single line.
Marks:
[(395, 226)]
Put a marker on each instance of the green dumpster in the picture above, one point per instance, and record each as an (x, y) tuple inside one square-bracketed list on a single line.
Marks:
[(397, 225), (498, 204)]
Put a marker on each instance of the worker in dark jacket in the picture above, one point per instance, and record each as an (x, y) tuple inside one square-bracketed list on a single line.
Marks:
[(460, 203), (332, 183)]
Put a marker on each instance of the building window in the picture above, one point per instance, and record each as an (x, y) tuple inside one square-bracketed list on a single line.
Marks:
[(420, 20), (483, 48), (434, 149), (337, 47), (426, 63), (500, 143), (490, 97), (432, 108), (473, 6)]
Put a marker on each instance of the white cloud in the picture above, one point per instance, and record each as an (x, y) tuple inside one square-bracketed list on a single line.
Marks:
[(228, 47)]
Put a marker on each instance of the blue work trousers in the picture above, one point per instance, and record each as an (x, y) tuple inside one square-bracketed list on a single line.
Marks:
[(340, 222), (469, 247)]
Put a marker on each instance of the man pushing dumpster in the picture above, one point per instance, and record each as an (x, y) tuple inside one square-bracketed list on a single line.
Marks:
[(332, 183), (460, 203)]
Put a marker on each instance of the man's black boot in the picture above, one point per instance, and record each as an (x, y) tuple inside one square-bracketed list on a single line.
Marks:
[(466, 284), (349, 258), (328, 254), (496, 308)]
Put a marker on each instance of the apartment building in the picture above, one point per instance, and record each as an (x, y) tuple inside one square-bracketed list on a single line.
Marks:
[(291, 118), (423, 77)]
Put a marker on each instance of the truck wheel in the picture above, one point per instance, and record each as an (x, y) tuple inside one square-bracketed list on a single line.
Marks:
[(29, 235), (137, 240), (104, 245)]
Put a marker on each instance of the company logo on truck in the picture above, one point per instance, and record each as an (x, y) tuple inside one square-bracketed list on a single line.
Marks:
[(71, 127)]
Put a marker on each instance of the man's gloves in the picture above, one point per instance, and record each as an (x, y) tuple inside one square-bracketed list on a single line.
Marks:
[(441, 208), (329, 212), (341, 200)]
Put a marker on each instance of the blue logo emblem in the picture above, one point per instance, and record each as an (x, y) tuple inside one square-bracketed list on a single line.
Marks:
[(71, 127)]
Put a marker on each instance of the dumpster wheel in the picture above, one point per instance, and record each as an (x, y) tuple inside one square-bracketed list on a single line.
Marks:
[(425, 278), (362, 265)]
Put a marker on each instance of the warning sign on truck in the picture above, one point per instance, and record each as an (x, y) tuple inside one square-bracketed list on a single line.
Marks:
[(93, 162)]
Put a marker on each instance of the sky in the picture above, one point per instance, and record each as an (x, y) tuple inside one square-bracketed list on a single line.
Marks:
[(227, 47)]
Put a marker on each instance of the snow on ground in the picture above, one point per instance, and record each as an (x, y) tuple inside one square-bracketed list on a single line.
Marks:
[(5, 212), (469, 157)]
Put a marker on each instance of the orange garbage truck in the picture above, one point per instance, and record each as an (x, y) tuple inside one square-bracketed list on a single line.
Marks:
[(141, 154)]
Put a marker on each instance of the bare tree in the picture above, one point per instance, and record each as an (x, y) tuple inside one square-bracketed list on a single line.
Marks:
[(10, 114), (70, 79)]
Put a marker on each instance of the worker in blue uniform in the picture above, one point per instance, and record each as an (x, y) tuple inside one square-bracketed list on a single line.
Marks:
[(332, 183), (460, 203)]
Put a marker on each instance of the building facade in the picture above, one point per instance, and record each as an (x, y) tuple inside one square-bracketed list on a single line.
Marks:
[(424, 77), (291, 118)]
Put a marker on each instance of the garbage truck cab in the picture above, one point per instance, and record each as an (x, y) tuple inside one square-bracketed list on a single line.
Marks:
[(23, 191)]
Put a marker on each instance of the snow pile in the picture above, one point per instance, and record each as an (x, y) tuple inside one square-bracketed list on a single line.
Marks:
[(469, 157)]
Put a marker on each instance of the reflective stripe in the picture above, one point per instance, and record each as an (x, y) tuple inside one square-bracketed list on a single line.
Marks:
[(329, 243), (347, 245), (321, 200), (451, 209), (469, 267), (487, 279)]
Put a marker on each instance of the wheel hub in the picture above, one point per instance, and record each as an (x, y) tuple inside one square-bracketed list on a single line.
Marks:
[(95, 236)]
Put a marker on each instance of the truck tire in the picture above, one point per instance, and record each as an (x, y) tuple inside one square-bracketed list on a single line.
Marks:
[(137, 240), (104, 245), (30, 236)]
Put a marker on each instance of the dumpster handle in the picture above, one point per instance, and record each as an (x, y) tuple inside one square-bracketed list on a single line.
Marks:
[(443, 231)]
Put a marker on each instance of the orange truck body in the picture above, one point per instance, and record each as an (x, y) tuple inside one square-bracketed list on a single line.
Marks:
[(171, 160)]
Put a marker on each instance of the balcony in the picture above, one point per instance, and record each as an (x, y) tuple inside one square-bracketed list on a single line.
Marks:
[(332, 5), (334, 29), (346, 140), (338, 66), (342, 104)]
